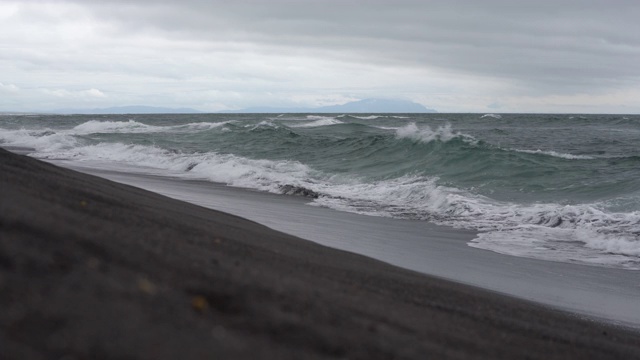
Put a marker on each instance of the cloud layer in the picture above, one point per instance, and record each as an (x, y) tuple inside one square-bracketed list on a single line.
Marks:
[(569, 56)]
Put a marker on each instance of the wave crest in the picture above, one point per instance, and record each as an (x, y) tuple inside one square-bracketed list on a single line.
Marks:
[(427, 135), (131, 126), (324, 121), (95, 126), (556, 154)]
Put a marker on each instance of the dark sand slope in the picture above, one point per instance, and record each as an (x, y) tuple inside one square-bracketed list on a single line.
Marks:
[(94, 269)]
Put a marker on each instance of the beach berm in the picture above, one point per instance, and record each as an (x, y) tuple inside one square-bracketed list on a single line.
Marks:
[(94, 269)]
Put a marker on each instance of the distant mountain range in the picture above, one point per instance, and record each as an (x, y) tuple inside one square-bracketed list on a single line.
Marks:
[(360, 106), (129, 110)]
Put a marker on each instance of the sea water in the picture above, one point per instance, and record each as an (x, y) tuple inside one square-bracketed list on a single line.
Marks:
[(554, 187)]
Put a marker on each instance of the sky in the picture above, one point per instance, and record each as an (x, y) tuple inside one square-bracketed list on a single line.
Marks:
[(574, 56)]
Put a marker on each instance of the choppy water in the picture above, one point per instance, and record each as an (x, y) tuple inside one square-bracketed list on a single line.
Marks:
[(555, 187)]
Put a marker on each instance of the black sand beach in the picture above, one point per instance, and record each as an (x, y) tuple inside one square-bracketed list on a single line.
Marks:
[(94, 269)]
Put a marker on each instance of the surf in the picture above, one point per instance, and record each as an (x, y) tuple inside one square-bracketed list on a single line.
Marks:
[(530, 185)]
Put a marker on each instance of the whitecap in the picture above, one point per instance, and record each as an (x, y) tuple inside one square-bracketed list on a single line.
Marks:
[(319, 117), (261, 125), (260, 174), (41, 140), (131, 126), (370, 117), (201, 126), (320, 122), (569, 233), (556, 154), (395, 128), (426, 134)]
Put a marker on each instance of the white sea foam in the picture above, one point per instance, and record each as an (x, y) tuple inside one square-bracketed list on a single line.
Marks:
[(370, 117), (561, 245), (131, 126), (320, 122), (44, 140), (575, 233), (556, 154), (262, 125), (266, 175), (48, 140), (549, 231), (202, 126), (95, 127), (579, 233), (495, 116), (319, 117), (426, 134)]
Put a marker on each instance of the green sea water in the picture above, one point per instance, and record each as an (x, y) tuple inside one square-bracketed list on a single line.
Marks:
[(557, 187)]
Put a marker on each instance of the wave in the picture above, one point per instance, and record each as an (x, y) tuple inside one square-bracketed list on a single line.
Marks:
[(48, 139), (560, 245), (319, 117), (263, 125), (95, 126), (395, 128), (555, 154), (427, 135), (549, 231), (505, 227), (203, 126), (495, 116), (325, 121), (373, 117), (266, 175), (370, 117), (397, 185), (43, 140), (131, 126), (289, 189)]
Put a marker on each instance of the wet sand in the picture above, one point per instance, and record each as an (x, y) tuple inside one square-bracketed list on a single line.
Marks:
[(94, 269), (599, 293)]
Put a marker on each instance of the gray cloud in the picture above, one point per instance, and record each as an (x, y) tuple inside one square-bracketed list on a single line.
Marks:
[(558, 46), (484, 49)]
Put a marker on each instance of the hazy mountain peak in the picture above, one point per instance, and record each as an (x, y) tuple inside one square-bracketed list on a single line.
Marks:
[(378, 106), (359, 106), (134, 109)]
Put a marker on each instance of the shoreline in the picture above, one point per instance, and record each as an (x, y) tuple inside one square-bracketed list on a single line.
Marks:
[(595, 293), (92, 268)]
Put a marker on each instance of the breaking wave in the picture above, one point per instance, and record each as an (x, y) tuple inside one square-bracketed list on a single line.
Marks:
[(131, 126), (426, 134), (95, 126), (556, 154), (495, 116), (323, 121), (410, 171)]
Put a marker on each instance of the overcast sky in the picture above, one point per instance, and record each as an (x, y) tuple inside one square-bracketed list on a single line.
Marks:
[(454, 56)]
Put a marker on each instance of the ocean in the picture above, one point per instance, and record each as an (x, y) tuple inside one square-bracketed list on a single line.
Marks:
[(564, 188)]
